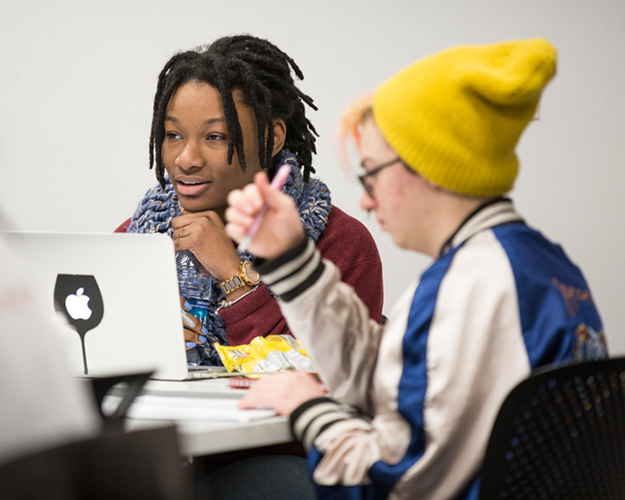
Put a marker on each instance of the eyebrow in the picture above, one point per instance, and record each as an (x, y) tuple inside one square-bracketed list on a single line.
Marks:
[(210, 121)]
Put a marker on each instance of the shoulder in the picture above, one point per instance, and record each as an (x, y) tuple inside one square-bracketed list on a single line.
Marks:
[(478, 269), (476, 273), (481, 263), (529, 249), (340, 225), (123, 227), (344, 235)]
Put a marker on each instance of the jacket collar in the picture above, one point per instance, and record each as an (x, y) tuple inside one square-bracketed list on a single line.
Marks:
[(488, 215)]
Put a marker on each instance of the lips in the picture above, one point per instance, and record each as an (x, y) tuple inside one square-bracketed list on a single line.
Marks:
[(187, 186)]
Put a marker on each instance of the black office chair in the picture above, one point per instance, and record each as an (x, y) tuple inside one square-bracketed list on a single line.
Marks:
[(144, 464), (560, 434)]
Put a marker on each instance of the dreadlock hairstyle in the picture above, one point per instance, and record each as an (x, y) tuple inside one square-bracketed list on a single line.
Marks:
[(262, 73)]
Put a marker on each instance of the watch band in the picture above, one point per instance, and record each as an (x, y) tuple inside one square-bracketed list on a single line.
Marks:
[(230, 285)]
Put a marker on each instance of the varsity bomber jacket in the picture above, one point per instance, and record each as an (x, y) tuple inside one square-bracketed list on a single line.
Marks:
[(411, 409)]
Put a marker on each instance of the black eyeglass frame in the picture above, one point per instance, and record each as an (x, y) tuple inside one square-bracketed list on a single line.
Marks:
[(374, 171)]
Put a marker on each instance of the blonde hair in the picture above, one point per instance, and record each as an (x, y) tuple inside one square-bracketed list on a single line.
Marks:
[(357, 113)]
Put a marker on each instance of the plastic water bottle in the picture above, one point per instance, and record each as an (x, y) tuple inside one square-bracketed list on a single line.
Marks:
[(194, 282)]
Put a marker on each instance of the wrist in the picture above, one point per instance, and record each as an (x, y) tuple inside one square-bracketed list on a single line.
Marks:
[(265, 266), (229, 270), (225, 304), (226, 273)]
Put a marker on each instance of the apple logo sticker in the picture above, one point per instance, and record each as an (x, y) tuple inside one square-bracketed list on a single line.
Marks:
[(77, 305), (78, 297)]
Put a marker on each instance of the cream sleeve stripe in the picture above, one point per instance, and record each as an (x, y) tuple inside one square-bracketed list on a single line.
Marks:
[(315, 416), (293, 272)]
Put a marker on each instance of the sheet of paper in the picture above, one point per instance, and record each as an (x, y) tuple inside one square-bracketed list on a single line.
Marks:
[(191, 408)]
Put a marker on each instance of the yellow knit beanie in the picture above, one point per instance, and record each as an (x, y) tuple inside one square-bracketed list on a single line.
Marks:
[(455, 117)]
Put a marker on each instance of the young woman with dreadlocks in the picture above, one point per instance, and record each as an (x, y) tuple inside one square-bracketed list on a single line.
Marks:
[(221, 114)]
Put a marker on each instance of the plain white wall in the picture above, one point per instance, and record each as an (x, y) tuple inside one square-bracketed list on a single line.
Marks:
[(77, 81)]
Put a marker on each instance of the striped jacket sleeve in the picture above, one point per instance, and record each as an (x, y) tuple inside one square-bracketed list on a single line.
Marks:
[(342, 338)]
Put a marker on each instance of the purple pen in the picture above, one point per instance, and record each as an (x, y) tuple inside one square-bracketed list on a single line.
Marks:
[(277, 183)]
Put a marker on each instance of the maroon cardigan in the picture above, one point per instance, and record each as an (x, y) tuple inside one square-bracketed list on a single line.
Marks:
[(348, 244)]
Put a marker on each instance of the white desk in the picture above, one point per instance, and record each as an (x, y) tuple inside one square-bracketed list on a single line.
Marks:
[(204, 438)]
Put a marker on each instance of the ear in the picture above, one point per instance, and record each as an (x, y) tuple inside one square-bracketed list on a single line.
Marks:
[(279, 136)]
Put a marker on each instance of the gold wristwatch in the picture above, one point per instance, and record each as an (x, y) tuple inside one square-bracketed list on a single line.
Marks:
[(247, 275)]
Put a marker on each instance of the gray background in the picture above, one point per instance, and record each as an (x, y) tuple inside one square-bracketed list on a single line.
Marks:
[(77, 80)]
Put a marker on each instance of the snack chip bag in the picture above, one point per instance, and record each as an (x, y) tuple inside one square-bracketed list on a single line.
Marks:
[(266, 354)]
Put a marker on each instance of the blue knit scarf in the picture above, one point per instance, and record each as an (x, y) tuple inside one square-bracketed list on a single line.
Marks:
[(160, 206)]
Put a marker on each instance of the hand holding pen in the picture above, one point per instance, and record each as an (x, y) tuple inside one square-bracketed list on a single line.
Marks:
[(263, 219), (277, 183)]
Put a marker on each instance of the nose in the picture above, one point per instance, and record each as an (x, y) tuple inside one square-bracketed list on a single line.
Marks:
[(366, 202), (190, 156)]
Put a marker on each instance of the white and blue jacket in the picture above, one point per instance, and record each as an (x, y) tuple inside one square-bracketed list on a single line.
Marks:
[(412, 406)]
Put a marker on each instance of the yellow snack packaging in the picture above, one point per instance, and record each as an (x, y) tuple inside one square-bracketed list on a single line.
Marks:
[(266, 354)]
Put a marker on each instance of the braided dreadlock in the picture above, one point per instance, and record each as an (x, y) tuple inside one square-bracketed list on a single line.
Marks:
[(262, 73)]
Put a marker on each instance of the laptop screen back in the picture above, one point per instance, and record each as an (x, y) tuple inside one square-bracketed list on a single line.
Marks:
[(119, 292)]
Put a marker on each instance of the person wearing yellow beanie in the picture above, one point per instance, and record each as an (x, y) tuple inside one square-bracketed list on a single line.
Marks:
[(456, 117), (411, 403)]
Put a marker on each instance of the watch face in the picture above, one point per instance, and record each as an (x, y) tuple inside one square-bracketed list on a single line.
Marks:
[(251, 274)]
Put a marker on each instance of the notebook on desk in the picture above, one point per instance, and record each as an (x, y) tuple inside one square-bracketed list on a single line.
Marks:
[(119, 292)]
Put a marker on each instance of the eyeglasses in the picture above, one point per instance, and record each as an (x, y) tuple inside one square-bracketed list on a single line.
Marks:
[(374, 171)]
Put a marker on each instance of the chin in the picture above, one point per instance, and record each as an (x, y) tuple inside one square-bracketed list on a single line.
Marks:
[(194, 206), (401, 244), (401, 241)]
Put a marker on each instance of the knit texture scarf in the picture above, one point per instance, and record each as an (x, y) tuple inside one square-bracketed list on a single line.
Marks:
[(160, 206)]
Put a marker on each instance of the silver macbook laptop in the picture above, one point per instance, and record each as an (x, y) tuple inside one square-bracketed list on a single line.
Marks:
[(119, 292)]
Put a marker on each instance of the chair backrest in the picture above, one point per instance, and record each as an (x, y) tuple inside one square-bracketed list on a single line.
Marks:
[(144, 464), (560, 434), (136, 465)]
